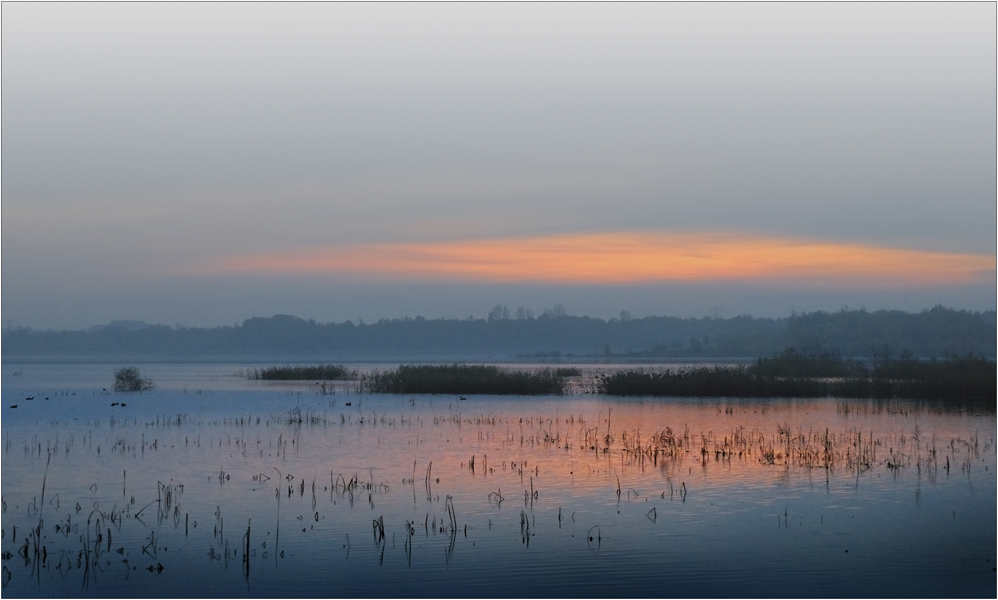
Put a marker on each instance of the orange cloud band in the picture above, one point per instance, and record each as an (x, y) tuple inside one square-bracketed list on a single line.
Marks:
[(624, 258)]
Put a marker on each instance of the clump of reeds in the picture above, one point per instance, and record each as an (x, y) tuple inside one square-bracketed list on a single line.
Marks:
[(303, 373), (714, 381), (794, 363), (968, 378), (462, 379)]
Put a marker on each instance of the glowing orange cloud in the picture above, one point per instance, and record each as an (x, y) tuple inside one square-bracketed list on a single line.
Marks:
[(624, 258)]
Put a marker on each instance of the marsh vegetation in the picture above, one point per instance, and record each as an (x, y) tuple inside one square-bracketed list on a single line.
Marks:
[(463, 379), (259, 491), (128, 379), (303, 373), (968, 379)]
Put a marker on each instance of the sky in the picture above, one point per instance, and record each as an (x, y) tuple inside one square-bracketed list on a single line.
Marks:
[(204, 163)]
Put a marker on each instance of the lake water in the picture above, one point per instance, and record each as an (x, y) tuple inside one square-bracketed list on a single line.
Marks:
[(214, 485)]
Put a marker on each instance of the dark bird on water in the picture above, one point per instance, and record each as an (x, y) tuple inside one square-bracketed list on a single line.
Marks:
[(13, 406)]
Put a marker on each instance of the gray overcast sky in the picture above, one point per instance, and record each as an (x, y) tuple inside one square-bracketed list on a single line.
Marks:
[(140, 139)]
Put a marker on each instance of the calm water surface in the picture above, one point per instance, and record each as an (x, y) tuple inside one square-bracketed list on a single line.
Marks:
[(218, 486)]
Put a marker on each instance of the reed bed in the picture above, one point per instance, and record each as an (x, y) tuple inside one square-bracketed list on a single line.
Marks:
[(969, 379), (462, 379), (966, 379), (303, 373), (714, 381)]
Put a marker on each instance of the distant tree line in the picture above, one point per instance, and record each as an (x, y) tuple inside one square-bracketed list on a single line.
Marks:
[(507, 335)]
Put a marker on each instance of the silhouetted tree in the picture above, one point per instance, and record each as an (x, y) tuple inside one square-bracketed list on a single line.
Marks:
[(499, 312), (556, 311)]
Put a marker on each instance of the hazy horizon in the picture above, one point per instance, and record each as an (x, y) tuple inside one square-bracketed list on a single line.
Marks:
[(517, 312), (201, 164)]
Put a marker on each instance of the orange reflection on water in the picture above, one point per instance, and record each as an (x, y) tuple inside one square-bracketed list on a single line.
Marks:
[(622, 258)]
